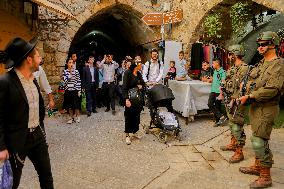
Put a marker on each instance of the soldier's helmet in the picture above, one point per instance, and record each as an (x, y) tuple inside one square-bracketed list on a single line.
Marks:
[(237, 50), (269, 36)]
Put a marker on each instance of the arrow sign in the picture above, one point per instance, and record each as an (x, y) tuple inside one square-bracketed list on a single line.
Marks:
[(153, 19), (173, 16)]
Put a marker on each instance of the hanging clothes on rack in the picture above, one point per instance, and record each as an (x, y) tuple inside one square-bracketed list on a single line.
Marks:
[(197, 57), (211, 54), (226, 65), (281, 49), (206, 52)]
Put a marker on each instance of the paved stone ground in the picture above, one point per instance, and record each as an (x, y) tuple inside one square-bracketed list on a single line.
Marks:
[(93, 155)]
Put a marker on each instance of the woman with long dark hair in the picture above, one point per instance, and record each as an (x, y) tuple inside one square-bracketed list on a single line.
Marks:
[(133, 86)]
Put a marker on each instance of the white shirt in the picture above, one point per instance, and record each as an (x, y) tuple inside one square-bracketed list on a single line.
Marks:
[(108, 70), (42, 80), (155, 74)]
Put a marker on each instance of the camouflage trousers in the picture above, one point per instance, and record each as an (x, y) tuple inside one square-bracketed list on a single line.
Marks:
[(262, 120), (236, 125)]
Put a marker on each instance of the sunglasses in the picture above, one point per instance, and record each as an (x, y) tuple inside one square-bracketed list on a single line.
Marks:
[(230, 54), (263, 44)]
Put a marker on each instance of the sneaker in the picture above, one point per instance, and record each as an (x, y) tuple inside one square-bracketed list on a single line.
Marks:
[(95, 111), (89, 114), (107, 110), (70, 121), (127, 140), (135, 136), (113, 112), (77, 119)]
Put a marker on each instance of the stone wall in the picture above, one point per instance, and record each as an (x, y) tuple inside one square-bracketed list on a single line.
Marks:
[(14, 23), (57, 33)]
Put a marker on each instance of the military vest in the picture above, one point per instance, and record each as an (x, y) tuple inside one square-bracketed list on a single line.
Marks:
[(234, 78), (263, 77)]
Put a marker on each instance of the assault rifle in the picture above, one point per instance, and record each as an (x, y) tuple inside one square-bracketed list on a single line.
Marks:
[(243, 89), (226, 96)]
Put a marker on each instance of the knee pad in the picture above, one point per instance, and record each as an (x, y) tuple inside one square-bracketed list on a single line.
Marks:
[(235, 128), (258, 144), (231, 125)]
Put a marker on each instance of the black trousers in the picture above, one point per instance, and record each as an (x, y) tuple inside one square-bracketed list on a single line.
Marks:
[(36, 149), (91, 94), (109, 92), (132, 119), (215, 106), (118, 89)]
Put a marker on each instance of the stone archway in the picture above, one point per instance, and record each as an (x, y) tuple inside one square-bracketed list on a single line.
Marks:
[(213, 5), (223, 7), (117, 29), (60, 35)]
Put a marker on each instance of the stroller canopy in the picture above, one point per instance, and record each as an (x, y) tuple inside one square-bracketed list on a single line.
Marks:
[(161, 92)]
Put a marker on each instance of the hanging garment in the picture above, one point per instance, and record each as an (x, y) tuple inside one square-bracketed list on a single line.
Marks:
[(196, 56), (206, 53)]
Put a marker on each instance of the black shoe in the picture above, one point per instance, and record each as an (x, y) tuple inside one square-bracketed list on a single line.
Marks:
[(89, 114), (107, 110), (95, 111), (216, 124), (222, 120), (113, 112)]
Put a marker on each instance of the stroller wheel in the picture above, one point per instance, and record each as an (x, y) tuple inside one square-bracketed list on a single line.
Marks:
[(177, 135), (146, 128), (162, 137)]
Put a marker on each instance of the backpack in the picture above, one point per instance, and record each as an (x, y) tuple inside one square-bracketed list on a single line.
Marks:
[(150, 65)]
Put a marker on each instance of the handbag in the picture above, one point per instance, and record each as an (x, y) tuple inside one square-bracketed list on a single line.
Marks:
[(135, 96), (83, 102), (6, 176), (61, 87)]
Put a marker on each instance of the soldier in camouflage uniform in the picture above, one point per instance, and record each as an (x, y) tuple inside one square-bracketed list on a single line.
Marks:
[(235, 113), (266, 86)]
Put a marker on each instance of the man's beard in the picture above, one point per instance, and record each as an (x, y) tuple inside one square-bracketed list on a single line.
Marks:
[(34, 68)]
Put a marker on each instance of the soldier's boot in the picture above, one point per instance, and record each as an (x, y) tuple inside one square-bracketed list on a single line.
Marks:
[(252, 170), (230, 147), (238, 155), (264, 180)]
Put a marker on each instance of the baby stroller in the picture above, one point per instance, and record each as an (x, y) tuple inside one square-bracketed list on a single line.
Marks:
[(159, 101)]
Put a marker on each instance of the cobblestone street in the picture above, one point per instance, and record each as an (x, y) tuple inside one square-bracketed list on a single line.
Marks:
[(93, 154)]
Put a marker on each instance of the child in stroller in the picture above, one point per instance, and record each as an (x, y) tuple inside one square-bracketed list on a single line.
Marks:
[(157, 97)]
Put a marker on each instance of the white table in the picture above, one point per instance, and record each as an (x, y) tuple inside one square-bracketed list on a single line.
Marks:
[(190, 96)]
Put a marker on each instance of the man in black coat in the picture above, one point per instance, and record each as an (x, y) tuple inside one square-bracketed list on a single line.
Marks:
[(22, 113), (90, 83)]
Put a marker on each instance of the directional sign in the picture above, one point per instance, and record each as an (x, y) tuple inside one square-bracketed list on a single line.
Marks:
[(153, 18), (173, 16)]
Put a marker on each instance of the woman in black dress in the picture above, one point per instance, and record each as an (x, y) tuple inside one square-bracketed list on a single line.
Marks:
[(132, 79)]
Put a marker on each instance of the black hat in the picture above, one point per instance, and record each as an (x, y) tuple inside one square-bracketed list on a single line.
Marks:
[(17, 50)]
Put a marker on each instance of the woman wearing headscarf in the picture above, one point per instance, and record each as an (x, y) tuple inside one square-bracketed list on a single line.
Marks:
[(133, 86)]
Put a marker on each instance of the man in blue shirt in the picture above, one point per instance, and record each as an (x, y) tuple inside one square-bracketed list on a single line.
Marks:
[(214, 103)]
